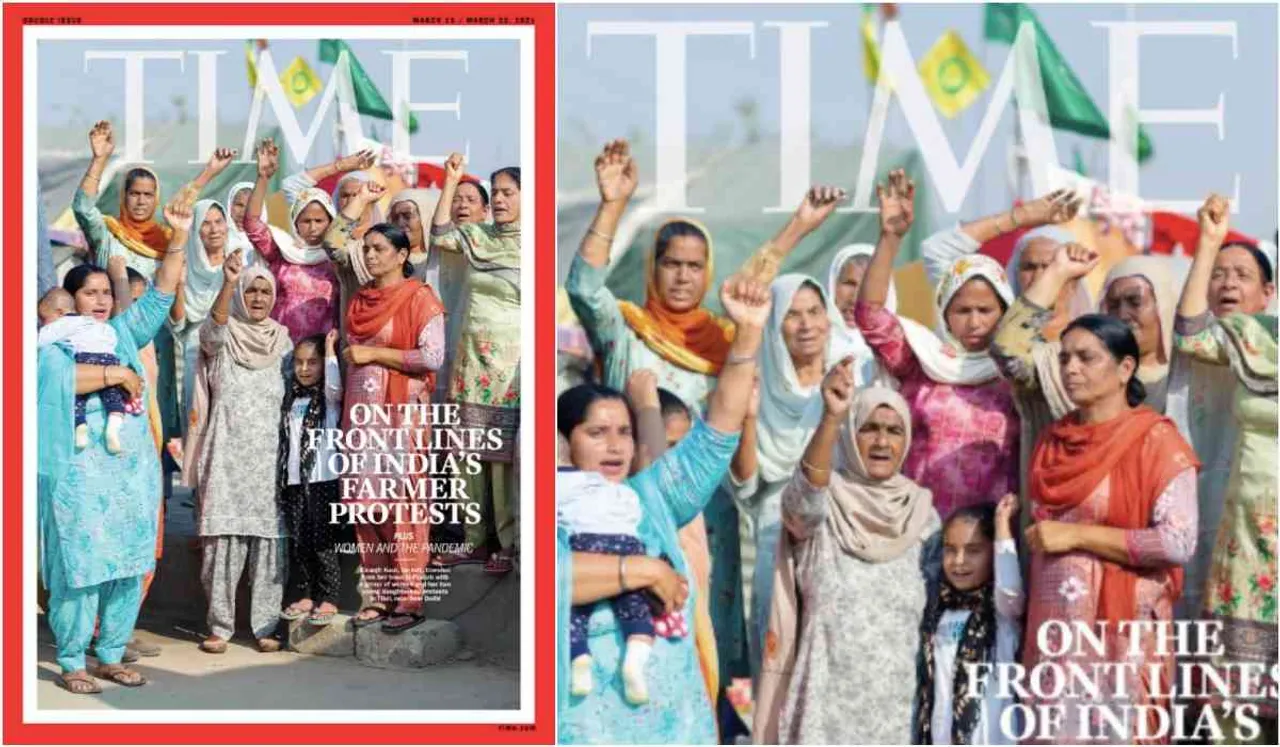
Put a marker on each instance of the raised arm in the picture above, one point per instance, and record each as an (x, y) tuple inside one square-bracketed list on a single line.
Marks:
[(651, 433), (817, 205), (616, 178), (218, 162), (259, 234), (897, 211), (121, 294), (1020, 335), (179, 215), (231, 268), (805, 500), (747, 303), (453, 170), (84, 203), (332, 371), (1010, 597), (746, 460), (1213, 216)]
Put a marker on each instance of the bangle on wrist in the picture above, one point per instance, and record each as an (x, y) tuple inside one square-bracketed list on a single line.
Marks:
[(600, 234), (1013, 216), (736, 359), (104, 377), (812, 468), (622, 572)]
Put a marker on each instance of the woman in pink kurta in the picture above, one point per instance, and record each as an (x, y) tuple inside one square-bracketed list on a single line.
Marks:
[(395, 345), (1113, 498), (965, 445), (307, 303)]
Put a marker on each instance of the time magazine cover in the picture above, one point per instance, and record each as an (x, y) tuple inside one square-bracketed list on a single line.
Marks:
[(270, 371), (917, 373)]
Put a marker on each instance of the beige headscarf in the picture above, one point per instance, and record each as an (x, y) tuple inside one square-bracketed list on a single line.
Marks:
[(1159, 274), (254, 345), (873, 520), (426, 264)]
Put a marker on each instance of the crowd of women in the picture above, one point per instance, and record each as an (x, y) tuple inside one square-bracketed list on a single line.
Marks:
[(258, 336), (851, 508)]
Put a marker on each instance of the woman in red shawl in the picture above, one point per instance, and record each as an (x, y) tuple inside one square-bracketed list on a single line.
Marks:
[(1113, 495), (395, 331)]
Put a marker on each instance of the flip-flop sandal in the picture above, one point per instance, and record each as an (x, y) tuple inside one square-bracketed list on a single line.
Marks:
[(293, 612), (144, 648), (120, 675), (414, 621), (358, 622), (210, 646), (500, 564), (88, 685), (320, 619)]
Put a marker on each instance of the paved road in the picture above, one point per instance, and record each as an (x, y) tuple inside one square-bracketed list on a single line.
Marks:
[(185, 677)]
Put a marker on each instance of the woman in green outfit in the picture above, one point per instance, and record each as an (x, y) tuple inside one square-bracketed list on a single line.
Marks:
[(486, 365), (1240, 591)]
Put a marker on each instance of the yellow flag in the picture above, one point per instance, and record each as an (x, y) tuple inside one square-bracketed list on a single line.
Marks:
[(870, 49), (952, 75), (301, 84), (249, 60)]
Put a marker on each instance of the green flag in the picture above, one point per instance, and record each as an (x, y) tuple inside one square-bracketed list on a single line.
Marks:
[(1078, 159), (1070, 107), (368, 100)]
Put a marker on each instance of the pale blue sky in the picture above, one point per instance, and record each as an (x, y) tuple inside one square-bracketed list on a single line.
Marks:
[(69, 96), (611, 94)]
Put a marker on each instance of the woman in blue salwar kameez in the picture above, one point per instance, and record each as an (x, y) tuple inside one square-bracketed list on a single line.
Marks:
[(97, 512), (597, 423)]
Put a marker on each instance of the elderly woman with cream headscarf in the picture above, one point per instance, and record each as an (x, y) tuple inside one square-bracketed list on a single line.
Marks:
[(309, 291), (966, 427), (852, 557), (231, 453)]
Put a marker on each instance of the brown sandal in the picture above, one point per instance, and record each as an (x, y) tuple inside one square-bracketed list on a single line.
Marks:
[(268, 645), (79, 682), (213, 645), (120, 674)]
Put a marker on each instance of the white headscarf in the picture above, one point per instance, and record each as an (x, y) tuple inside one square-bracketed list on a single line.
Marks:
[(295, 251), (204, 280), (375, 216), (941, 356), (1080, 302), (789, 412), (848, 341), (241, 237)]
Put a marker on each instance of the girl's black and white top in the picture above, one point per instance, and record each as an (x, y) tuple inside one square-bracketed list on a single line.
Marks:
[(1010, 602), (321, 472)]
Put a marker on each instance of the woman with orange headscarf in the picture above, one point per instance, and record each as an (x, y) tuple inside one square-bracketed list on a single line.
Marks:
[(395, 331), (684, 344), (1113, 498)]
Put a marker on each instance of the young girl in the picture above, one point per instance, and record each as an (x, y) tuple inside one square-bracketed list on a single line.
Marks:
[(975, 619), (306, 482)]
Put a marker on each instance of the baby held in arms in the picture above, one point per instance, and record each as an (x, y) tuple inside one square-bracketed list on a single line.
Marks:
[(604, 517), (93, 342)]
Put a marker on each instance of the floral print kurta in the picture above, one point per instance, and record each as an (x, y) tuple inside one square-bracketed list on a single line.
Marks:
[(964, 444), (486, 365), (307, 302), (1068, 586), (1240, 591)]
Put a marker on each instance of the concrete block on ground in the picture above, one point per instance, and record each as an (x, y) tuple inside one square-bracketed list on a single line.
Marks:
[(485, 608), (432, 642), (338, 638)]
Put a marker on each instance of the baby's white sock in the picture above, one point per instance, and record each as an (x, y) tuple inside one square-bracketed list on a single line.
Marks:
[(580, 682), (114, 422), (634, 683)]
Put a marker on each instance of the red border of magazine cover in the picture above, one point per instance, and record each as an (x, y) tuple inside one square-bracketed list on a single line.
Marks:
[(19, 560)]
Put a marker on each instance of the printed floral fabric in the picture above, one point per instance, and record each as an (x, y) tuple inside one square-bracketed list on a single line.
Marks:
[(1240, 590), (307, 302), (1067, 587), (965, 438)]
